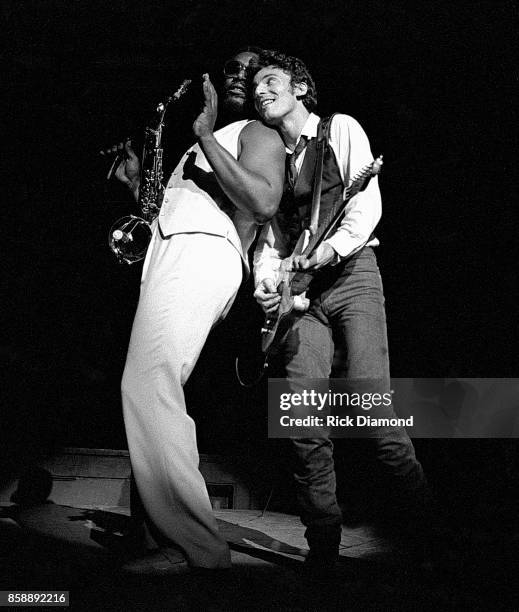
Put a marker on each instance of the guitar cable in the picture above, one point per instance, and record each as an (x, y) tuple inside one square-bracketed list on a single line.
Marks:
[(248, 385)]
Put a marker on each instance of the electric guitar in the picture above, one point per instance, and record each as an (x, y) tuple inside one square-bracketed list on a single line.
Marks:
[(293, 283)]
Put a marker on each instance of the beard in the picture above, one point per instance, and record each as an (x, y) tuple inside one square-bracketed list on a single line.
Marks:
[(233, 104), (237, 107)]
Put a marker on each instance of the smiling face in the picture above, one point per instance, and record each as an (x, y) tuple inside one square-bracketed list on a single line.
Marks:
[(235, 86), (274, 95)]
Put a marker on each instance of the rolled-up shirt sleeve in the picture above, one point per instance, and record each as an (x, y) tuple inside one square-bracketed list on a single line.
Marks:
[(362, 214)]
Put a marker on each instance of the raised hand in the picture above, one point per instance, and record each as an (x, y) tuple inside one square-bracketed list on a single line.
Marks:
[(204, 123)]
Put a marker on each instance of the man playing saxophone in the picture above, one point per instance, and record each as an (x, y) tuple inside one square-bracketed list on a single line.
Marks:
[(224, 185)]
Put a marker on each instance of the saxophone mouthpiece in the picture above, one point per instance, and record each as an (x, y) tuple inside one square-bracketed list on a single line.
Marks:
[(182, 89), (180, 92)]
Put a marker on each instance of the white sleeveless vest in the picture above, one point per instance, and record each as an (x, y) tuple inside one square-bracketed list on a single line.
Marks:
[(189, 208)]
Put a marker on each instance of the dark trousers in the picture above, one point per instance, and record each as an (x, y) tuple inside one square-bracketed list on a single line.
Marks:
[(346, 313)]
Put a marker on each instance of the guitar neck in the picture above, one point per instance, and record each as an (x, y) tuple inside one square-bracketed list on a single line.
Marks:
[(326, 227), (359, 183), (301, 280)]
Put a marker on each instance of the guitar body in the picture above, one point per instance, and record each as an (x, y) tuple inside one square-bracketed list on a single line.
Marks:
[(277, 325), (301, 281)]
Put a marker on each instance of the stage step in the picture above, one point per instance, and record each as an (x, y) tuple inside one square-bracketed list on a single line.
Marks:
[(92, 476)]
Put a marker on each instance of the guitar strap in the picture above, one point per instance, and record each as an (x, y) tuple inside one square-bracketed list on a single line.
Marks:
[(323, 138)]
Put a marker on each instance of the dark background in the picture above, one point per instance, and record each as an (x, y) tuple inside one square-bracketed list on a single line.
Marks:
[(432, 83)]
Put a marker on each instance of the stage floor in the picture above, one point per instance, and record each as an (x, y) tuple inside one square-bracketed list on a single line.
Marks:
[(57, 547)]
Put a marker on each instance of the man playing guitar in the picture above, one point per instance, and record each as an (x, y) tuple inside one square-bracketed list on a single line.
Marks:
[(344, 304)]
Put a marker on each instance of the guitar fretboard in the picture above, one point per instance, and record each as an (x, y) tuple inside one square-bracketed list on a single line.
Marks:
[(301, 280), (358, 183)]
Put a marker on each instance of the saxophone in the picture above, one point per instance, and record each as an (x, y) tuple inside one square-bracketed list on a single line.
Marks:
[(130, 236)]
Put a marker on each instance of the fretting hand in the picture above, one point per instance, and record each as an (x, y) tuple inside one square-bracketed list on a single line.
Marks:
[(322, 257)]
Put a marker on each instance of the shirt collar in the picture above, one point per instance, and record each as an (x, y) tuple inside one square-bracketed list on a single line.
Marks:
[(309, 129)]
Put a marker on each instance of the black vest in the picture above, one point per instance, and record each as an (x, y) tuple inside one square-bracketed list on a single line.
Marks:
[(295, 206)]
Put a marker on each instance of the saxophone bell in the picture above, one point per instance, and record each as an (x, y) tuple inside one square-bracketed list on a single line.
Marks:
[(129, 238)]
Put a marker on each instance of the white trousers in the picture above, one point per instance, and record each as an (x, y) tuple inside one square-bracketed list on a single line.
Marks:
[(189, 283)]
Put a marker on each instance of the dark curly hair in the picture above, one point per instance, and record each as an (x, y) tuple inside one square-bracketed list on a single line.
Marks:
[(249, 49), (295, 68)]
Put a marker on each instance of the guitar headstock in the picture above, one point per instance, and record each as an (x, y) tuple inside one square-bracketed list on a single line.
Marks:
[(376, 166), (361, 179)]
